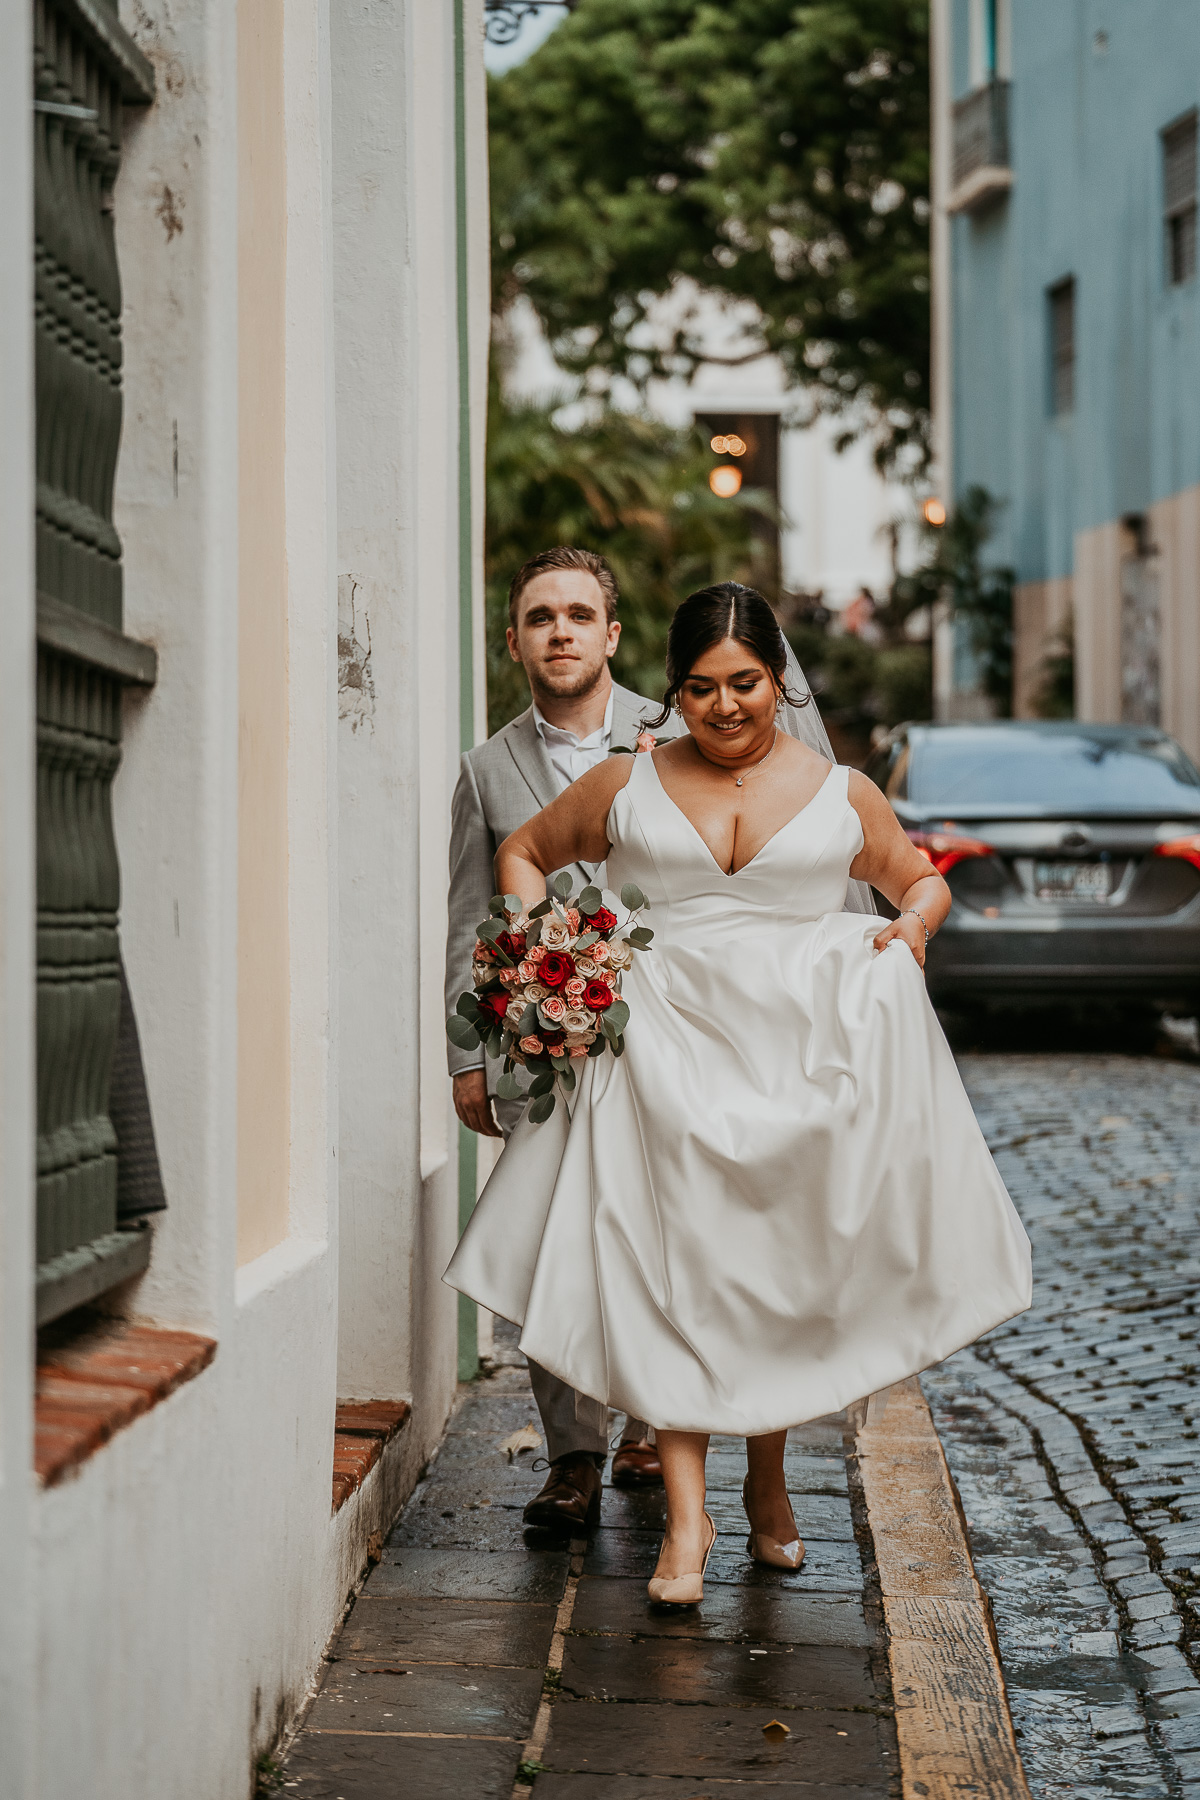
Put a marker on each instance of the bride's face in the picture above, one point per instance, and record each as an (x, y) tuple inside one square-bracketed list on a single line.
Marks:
[(728, 702)]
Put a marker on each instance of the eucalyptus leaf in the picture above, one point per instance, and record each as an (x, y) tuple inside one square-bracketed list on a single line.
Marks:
[(567, 1077), (588, 937), (508, 1088), (540, 910), (490, 930), (619, 1047), (590, 901), (542, 1084), (512, 904), (541, 1109), (468, 1007), (618, 1016), (608, 1028), (562, 885), (634, 945), (496, 906), (632, 896), (528, 1021), (461, 1032), (597, 1047), (641, 935), (561, 1063), (495, 1044), (533, 934)]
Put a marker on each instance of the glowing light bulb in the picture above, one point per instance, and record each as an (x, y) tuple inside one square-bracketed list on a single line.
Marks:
[(934, 512)]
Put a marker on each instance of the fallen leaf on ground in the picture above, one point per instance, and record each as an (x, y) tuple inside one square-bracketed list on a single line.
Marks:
[(775, 1731), (525, 1439)]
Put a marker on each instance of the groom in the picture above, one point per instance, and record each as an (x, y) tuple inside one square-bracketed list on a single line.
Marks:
[(562, 630)]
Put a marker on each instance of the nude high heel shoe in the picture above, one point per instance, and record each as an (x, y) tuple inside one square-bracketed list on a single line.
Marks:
[(682, 1590), (763, 1549)]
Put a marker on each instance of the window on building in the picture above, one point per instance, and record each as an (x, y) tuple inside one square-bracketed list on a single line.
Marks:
[(1062, 346), (1179, 198)]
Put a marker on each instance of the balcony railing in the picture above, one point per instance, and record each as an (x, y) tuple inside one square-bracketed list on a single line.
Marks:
[(981, 171)]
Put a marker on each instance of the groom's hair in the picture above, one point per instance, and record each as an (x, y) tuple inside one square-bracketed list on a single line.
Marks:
[(564, 556)]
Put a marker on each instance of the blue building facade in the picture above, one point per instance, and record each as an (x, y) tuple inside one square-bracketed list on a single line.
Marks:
[(1069, 301)]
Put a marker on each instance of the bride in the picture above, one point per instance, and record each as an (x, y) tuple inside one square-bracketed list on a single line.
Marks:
[(777, 1200)]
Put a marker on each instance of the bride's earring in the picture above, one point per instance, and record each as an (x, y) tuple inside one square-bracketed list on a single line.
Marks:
[(779, 703)]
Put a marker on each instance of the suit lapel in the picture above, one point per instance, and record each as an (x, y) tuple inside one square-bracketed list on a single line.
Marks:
[(529, 753)]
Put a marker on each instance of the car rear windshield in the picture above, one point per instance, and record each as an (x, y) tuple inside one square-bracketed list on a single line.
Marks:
[(1052, 772)]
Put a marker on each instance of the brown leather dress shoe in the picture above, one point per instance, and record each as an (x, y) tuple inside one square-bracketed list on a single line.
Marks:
[(571, 1496), (636, 1466)]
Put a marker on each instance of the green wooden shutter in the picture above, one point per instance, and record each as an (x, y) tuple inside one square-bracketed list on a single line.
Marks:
[(86, 68)]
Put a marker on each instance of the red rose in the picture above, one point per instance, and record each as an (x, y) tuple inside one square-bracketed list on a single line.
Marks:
[(512, 943), (597, 995), (554, 1041), (602, 919), (555, 968), (496, 1004)]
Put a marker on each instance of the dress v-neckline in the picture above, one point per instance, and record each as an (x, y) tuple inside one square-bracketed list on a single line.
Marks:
[(732, 874)]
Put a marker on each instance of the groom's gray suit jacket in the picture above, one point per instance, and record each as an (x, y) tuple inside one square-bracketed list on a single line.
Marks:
[(502, 784)]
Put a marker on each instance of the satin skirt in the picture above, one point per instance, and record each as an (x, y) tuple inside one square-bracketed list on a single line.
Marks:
[(777, 1201)]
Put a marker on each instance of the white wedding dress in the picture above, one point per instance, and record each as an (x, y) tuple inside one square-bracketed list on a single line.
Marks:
[(778, 1200)]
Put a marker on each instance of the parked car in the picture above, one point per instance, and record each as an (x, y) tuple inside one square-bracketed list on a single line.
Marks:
[(1072, 852)]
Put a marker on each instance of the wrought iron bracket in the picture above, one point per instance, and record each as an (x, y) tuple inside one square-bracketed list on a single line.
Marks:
[(504, 18)]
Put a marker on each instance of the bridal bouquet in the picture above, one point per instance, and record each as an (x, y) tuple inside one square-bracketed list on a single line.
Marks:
[(548, 987)]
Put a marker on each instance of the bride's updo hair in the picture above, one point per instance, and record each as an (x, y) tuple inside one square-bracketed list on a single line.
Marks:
[(709, 616)]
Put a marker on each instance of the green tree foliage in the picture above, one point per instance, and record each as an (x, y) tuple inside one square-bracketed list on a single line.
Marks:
[(981, 597), (774, 153), (626, 486)]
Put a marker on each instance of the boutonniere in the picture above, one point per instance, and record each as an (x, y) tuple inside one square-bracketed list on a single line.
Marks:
[(645, 741)]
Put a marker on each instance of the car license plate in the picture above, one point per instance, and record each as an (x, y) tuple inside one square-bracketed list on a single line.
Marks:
[(1072, 880)]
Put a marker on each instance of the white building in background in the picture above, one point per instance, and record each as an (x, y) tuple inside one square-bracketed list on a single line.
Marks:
[(843, 527), (300, 223)]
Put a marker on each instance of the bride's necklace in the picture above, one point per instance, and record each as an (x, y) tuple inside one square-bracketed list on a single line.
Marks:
[(739, 779)]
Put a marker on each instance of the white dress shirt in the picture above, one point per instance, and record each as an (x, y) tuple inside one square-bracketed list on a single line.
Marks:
[(573, 756)]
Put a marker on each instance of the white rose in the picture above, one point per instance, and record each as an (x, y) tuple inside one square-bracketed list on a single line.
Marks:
[(555, 935), (515, 1014), (586, 967), (537, 990), (620, 956), (577, 1019)]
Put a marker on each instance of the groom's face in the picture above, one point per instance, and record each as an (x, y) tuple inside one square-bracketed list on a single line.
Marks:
[(563, 638)]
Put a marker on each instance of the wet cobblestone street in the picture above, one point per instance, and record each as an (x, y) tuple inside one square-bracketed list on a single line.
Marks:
[(1073, 1433)]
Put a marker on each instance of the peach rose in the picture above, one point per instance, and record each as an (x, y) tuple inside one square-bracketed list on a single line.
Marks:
[(645, 741), (527, 969), (577, 1050), (510, 976), (552, 1009), (599, 952), (573, 919), (530, 1046), (535, 953), (573, 989)]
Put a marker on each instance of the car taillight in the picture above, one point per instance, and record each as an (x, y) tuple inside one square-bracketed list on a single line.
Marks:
[(945, 848), (1186, 849)]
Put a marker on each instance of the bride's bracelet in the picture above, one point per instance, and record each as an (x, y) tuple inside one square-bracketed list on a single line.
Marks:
[(917, 915)]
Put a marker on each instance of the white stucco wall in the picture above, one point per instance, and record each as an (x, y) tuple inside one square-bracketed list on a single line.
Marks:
[(182, 1585), (16, 914)]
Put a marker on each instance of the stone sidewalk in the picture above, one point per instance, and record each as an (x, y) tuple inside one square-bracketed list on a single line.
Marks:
[(483, 1659)]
